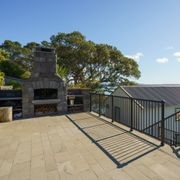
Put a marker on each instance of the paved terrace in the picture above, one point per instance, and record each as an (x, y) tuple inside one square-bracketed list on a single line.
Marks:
[(80, 147)]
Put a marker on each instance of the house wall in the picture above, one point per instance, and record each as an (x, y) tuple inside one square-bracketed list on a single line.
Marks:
[(119, 92), (148, 116), (107, 105), (170, 110), (123, 104), (121, 107)]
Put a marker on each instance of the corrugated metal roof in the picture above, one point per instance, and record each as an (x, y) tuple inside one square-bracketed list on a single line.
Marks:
[(170, 94)]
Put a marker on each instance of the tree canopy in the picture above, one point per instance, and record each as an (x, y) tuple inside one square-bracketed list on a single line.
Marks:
[(81, 63)]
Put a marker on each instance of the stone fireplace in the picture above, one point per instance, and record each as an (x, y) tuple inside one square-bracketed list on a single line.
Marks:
[(44, 92)]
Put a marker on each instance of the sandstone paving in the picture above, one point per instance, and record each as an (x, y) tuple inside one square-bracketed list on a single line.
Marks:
[(56, 148)]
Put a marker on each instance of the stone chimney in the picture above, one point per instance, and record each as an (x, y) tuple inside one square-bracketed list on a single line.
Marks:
[(44, 92)]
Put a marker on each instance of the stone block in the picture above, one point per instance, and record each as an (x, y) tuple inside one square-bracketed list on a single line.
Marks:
[(34, 85), (41, 84), (46, 83), (53, 84), (5, 114), (30, 90)]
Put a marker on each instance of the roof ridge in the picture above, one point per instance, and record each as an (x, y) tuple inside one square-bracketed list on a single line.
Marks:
[(171, 94), (177, 85)]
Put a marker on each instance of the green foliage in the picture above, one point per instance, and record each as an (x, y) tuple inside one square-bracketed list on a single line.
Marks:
[(62, 72), (15, 84), (1, 78), (3, 55), (92, 65), (13, 48), (21, 55), (80, 63), (12, 69)]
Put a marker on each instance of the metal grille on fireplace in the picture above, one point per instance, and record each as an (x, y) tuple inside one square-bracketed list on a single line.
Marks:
[(45, 109)]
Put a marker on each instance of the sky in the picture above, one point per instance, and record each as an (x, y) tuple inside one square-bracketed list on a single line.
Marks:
[(145, 30)]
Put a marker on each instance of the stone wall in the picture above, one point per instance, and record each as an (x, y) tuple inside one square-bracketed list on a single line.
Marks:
[(86, 99), (28, 94), (85, 94)]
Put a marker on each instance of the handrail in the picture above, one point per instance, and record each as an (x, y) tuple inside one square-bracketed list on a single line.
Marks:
[(150, 121), (161, 120), (172, 115), (138, 99), (152, 125)]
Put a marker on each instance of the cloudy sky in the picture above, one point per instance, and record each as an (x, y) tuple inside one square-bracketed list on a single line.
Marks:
[(148, 31)]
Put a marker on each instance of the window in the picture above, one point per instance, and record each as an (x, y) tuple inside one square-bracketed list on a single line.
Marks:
[(178, 114), (117, 113), (107, 106)]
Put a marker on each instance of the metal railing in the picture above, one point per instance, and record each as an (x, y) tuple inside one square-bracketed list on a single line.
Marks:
[(172, 129), (146, 116)]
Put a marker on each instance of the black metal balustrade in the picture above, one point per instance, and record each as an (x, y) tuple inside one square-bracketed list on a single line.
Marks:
[(146, 116), (172, 129)]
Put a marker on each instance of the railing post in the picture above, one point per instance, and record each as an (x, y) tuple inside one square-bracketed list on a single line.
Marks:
[(131, 114), (90, 102), (112, 107), (162, 123), (99, 105)]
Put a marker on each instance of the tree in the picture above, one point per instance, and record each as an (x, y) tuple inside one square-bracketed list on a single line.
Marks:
[(3, 55), (19, 56), (22, 55), (92, 65), (80, 63), (10, 68), (62, 72)]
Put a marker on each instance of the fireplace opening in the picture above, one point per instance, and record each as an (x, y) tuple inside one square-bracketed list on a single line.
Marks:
[(49, 93), (45, 109)]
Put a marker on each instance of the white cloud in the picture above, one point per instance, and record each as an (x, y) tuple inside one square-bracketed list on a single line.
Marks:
[(162, 60), (177, 54), (137, 57)]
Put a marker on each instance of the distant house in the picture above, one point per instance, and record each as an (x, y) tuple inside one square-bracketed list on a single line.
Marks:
[(145, 113), (168, 93)]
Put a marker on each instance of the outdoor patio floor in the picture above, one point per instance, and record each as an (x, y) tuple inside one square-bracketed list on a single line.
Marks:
[(80, 147)]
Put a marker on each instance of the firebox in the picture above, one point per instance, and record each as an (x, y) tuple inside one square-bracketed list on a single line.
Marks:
[(44, 92), (47, 93), (43, 108)]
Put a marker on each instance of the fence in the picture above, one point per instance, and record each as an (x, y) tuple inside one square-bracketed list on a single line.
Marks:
[(146, 116), (172, 129)]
